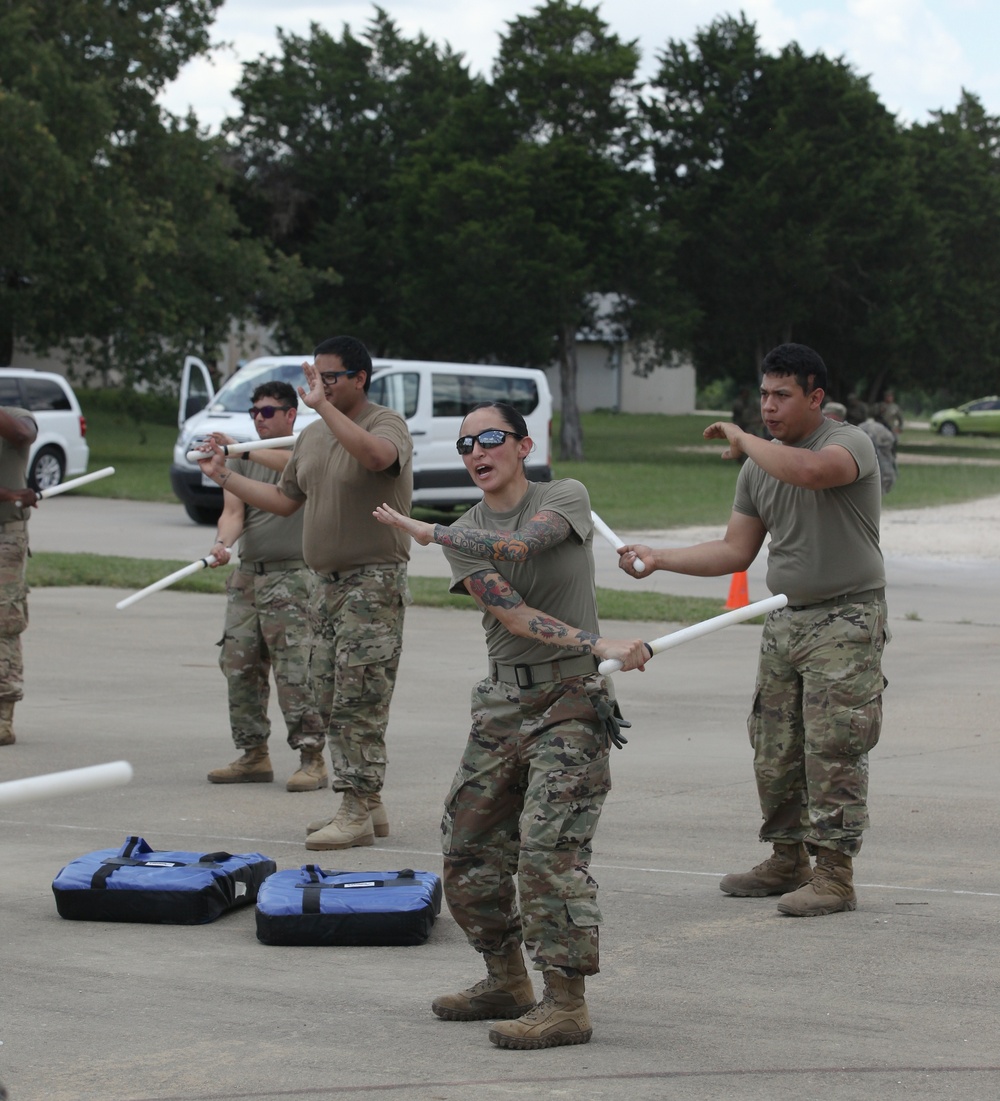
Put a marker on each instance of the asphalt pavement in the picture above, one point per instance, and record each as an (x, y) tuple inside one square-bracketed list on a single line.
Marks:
[(701, 996)]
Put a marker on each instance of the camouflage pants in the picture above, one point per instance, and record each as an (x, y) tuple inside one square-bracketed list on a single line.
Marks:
[(522, 813), (357, 638), (13, 612), (817, 711), (267, 630)]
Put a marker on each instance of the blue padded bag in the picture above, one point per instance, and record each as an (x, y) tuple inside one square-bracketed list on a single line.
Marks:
[(138, 883), (310, 906)]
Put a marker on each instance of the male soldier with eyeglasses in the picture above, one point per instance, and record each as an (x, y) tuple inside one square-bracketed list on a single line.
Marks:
[(267, 613), (357, 455)]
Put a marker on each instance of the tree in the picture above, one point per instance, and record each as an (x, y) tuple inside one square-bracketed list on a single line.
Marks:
[(324, 129), (795, 190), (957, 155), (116, 220)]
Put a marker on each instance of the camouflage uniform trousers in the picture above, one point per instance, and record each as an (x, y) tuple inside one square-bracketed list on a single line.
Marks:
[(522, 811), (817, 711), (357, 624), (13, 611), (267, 629)]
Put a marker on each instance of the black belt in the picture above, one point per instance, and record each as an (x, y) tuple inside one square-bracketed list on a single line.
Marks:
[(864, 596), (272, 567), (548, 672)]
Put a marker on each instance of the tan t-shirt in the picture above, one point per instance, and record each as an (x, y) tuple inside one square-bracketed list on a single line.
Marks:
[(13, 468), (558, 582), (823, 542), (266, 536), (339, 532)]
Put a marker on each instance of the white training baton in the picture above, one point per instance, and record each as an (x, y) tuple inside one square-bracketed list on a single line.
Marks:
[(72, 782), (73, 483), (602, 527), (166, 582), (706, 627), (243, 448)]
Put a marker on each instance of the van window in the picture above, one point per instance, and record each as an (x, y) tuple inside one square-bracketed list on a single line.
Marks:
[(237, 394), (398, 391), (10, 392), (455, 395), (41, 394)]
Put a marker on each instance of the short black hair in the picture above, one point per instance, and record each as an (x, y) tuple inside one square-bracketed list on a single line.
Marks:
[(279, 390), (798, 360), (351, 352)]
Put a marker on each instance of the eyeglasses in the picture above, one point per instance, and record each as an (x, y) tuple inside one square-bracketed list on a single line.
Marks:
[(492, 437), (330, 377), (266, 411)]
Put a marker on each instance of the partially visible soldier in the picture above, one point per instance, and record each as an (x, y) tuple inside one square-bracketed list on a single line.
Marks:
[(18, 431), (267, 614), (889, 413), (857, 411), (884, 439)]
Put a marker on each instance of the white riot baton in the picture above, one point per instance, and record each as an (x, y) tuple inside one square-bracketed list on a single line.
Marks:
[(602, 527), (72, 782), (706, 627), (242, 448), (166, 582), (75, 483)]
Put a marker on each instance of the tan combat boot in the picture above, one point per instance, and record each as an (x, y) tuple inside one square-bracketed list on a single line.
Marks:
[(351, 826), (7, 722), (505, 992), (830, 890), (311, 774), (560, 1018), (786, 869), (380, 818), (254, 767)]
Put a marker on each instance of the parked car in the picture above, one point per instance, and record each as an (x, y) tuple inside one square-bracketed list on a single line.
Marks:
[(61, 450), (433, 397), (980, 416)]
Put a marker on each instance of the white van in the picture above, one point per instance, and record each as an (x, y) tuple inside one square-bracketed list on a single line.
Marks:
[(433, 397)]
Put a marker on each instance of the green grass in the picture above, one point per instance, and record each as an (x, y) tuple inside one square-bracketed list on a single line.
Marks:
[(49, 570)]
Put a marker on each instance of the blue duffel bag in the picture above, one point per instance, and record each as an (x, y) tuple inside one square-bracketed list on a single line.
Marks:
[(138, 883), (309, 906)]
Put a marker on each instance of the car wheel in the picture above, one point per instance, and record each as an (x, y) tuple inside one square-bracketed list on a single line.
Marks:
[(203, 514), (47, 469), (949, 428)]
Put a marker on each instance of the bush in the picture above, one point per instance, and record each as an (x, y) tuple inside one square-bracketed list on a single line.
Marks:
[(130, 405)]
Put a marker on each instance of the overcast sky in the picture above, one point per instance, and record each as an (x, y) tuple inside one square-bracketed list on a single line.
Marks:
[(918, 54)]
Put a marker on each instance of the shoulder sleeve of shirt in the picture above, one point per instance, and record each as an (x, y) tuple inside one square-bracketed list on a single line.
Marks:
[(858, 443), (389, 425), (743, 501), (569, 498), (288, 482)]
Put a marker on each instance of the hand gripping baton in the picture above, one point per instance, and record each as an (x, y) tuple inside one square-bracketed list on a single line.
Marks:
[(73, 483), (166, 582), (602, 527), (72, 782), (706, 627), (243, 448)]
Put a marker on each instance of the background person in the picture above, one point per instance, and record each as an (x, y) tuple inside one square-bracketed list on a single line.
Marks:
[(18, 431), (357, 455), (817, 707), (528, 793), (267, 613)]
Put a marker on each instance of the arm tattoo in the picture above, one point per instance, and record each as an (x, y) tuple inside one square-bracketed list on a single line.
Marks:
[(558, 633), (544, 530), (490, 590)]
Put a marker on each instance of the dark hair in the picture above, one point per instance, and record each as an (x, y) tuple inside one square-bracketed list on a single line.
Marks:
[(280, 391), (351, 352), (513, 419), (798, 360)]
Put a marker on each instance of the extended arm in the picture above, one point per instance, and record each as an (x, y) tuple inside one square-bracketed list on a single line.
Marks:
[(831, 466), (261, 495), (229, 529), (733, 553), (545, 529), (494, 594)]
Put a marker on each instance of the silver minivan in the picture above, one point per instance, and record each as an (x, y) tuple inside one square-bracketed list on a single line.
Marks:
[(433, 397)]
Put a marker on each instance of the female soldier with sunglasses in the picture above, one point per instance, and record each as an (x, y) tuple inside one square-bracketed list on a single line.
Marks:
[(528, 793)]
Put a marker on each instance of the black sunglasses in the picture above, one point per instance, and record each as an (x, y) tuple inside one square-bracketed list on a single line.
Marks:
[(266, 411), (492, 437), (330, 377)]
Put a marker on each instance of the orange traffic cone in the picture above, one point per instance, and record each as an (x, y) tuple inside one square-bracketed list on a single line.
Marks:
[(739, 596)]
